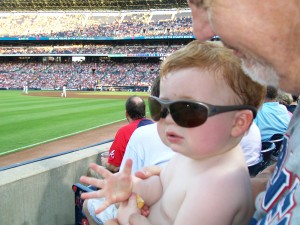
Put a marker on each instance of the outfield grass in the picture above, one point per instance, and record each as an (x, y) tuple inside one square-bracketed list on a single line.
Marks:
[(28, 120)]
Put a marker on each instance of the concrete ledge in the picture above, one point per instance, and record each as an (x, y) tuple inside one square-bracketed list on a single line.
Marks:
[(41, 192)]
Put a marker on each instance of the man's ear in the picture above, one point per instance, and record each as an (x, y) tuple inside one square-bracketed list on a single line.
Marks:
[(242, 122), (127, 116)]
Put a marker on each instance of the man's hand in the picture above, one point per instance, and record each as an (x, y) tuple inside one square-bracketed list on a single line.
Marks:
[(114, 187)]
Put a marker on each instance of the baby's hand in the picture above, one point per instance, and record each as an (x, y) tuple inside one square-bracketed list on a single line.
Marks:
[(128, 208), (114, 188)]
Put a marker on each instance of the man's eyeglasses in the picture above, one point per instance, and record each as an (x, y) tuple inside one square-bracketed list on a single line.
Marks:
[(187, 113), (215, 38)]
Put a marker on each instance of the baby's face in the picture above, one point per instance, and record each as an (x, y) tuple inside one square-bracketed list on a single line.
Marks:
[(208, 138)]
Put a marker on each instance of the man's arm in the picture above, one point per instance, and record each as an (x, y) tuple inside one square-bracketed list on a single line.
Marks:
[(116, 152), (259, 182), (110, 167)]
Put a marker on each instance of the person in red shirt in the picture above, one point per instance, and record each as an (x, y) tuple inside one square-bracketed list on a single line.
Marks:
[(136, 116)]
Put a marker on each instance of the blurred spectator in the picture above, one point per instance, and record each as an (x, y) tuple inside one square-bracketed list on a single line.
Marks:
[(136, 116), (285, 99), (293, 104), (251, 144), (272, 118)]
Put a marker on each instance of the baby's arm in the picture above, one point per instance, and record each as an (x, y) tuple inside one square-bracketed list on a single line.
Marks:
[(151, 191), (119, 186), (129, 213), (114, 187)]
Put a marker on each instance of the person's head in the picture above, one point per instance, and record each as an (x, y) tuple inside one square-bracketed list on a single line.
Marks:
[(135, 108), (210, 74), (264, 34), (295, 98), (284, 98), (155, 87), (272, 93)]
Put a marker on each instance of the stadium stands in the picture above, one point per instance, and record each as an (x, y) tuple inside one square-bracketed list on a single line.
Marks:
[(48, 65), (96, 24)]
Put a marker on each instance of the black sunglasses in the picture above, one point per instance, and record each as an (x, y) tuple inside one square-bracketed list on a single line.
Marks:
[(189, 113)]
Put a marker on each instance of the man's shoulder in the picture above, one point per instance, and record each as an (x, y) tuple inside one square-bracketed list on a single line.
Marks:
[(129, 127), (148, 128), (144, 122), (125, 128), (141, 134)]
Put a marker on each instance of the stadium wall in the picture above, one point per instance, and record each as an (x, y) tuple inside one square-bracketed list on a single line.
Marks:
[(41, 192)]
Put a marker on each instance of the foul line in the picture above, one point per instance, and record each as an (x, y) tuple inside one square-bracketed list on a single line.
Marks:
[(53, 139)]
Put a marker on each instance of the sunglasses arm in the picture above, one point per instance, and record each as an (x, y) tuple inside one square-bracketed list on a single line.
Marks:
[(221, 109)]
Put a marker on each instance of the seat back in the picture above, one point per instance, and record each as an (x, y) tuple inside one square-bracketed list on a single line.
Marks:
[(256, 167), (80, 218), (277, 139), (267, 149)]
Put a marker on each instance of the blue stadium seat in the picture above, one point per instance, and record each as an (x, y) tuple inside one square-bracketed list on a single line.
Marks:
[(80, 218), (268, 148), (256, 167), (277, 139)]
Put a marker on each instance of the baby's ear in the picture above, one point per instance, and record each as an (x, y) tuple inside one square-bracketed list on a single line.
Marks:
[(242, 122)]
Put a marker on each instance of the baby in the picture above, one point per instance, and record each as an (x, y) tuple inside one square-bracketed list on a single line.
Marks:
[(205, 106)]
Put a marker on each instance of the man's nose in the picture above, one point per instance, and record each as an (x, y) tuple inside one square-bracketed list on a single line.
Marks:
[(205, 33)]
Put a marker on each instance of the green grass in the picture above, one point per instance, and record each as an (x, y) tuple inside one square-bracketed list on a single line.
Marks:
[(115, 93), (28, 120)]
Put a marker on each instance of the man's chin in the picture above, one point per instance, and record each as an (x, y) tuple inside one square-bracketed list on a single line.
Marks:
[(263, 74), (256, 70)]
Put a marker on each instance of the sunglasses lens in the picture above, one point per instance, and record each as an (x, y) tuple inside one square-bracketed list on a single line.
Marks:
[(187, 114), (155, 108)]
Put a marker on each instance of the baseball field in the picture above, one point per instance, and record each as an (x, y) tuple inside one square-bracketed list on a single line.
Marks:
[(44, 116)]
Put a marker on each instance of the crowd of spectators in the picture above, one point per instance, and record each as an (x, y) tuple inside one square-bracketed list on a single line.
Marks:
[(83, 75), (76, 75), (89, 49), (95, 24)]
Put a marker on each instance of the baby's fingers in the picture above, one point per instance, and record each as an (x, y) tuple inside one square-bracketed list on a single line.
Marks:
[(102, 207), (100, 170), (93, 194), (128, 167), (92, 181)]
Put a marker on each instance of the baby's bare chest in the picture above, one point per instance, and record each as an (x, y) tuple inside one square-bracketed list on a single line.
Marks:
[(174, 192)]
